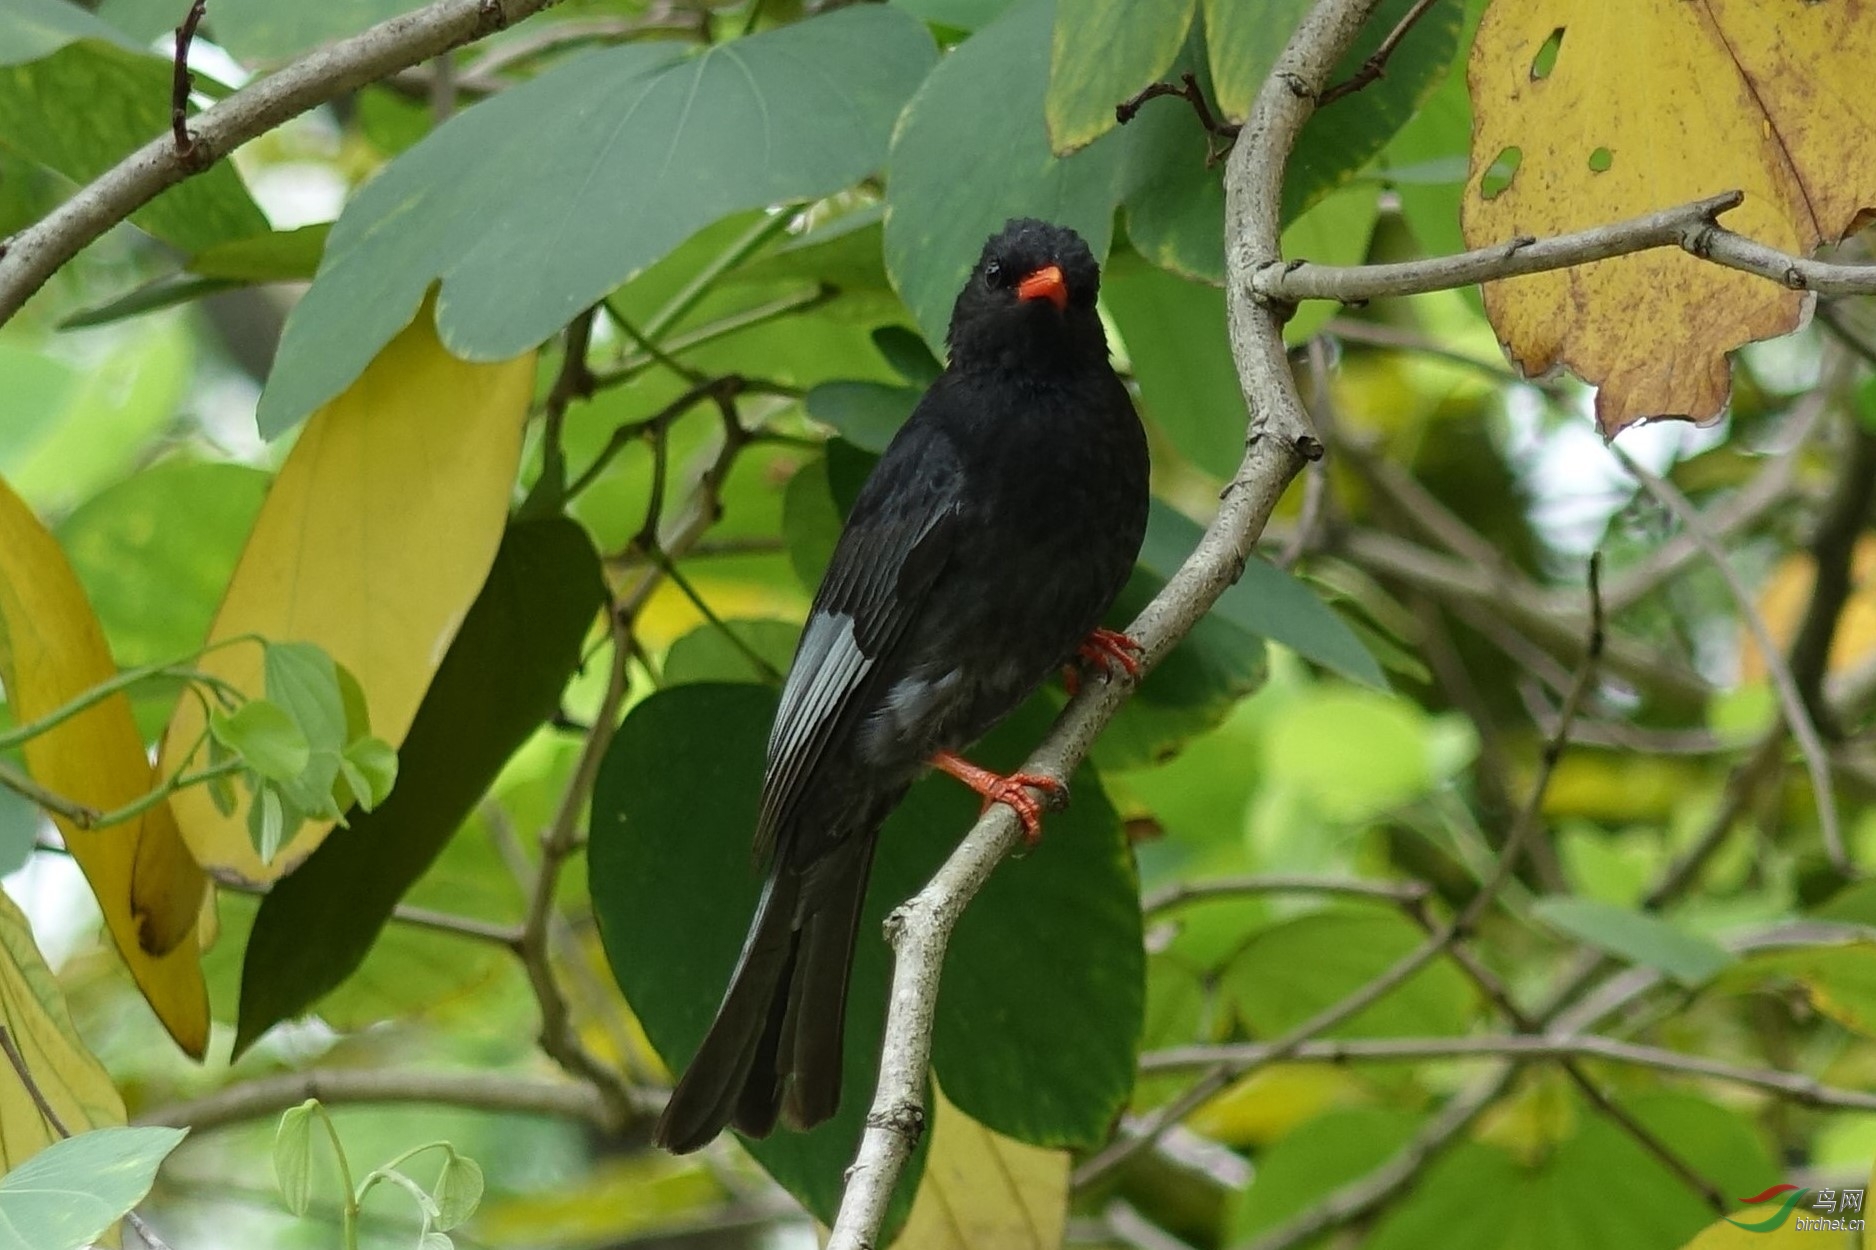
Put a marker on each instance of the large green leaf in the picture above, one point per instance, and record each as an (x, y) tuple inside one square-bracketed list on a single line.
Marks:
[(82, 108), (155, 553), (1244, 38), (1344, 135), (1266, 601), (35, 28), (1175, 335), (1102, 52), (68, 1194), (500, 679), (1597, 1187), (972, 151), (1292, 970), (1321, 1154), (266, 30), (111, 415), (1042, 998), (1188, 693), (534, 204)]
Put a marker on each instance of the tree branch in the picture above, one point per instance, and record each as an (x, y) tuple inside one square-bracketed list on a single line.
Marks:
[(1797, 1087), (1278, 444), (1790, 700), (1693, 227), (36, 253), (479, 1091)]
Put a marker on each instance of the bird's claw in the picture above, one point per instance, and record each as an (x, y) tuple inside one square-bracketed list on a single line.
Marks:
[(1107, 650), (1013, 792)]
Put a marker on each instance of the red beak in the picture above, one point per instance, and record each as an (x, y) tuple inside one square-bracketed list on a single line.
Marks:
[(1045, 283)]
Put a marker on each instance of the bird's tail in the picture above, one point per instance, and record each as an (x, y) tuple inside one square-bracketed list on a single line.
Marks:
[(774, 1049)]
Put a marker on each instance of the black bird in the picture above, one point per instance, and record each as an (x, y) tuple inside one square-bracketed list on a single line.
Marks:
[(980, 555)]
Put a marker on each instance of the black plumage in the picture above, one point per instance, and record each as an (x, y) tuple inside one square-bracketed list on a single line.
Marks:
[(983, 550)]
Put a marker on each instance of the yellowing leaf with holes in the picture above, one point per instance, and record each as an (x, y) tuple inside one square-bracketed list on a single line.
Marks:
[(375, 537), (985, 1191), (72, 1082), (51, 651), (1613, 108)]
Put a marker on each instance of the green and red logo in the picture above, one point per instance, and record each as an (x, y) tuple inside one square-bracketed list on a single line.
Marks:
[(1793, 1196), (1828, 1209)]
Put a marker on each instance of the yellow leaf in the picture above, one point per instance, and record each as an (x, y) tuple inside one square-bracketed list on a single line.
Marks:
[(1646, 105), (1789, 1235), (1786, 596), (375, 537), (71, 1081), (51, 651), (1267, 1104), (984, 1191)]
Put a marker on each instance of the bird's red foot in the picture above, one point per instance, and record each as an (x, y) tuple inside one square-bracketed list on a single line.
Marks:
[(1010, 790), (1109, 649)]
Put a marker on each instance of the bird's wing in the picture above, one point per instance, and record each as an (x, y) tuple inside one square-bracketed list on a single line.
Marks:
[(897, 542)]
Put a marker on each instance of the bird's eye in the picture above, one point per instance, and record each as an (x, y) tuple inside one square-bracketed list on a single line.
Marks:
[(993, 273)]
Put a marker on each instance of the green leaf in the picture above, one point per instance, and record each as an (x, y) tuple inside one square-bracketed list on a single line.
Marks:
[(114, 411), (867, 414), (1266, 601), (1039, 1048), (142, 20), (957, 14), (1287, 973), (352, 699), (1103, 52), (810, 522), (293, 1157), (1175, 336), (908, 355), (1597, 1187), (152, 296), (277, 256), (84, 107), (302, 678), (982, 109), (1321, 1155), (256, 31), (535, 203), (1399, 761), (500, 679), (155, 553), (1342, 137), (68, 1194), (458, 1190), (370, 769), (1244, 38), (36, 28), (272, 819), (1188, 693), (1839, 978), (705, 654), (267, 739), (19, 831), (1636, 936)]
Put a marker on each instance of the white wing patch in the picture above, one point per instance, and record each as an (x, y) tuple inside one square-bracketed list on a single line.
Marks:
[(828, 667)]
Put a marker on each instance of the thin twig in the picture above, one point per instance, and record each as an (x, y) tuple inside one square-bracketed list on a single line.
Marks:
[(1376, 65), (478, 1091), (1182, 893), (1799, 1088), (36, 253), (1790, 700), (184, 81)]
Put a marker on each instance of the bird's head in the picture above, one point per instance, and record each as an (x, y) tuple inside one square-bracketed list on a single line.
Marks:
[(1030, 301)]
